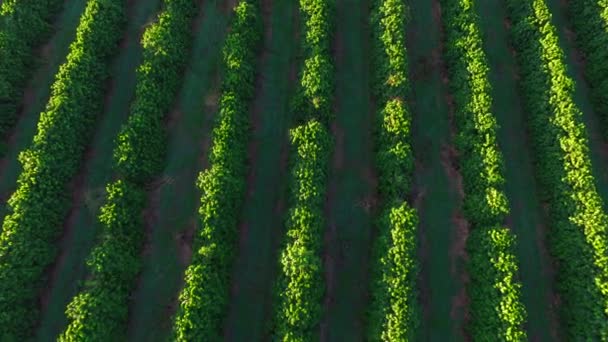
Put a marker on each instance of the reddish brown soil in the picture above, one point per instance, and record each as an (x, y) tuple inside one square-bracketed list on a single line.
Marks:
[(256, 114), (184, 241), (550, 271), (330, 255), (229, 5)]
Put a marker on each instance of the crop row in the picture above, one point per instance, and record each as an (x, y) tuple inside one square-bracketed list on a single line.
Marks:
[(99, 311), (394, 308), (203, 301), (38, 206), (23, 25), (590, 19), (496, 311), (578, 222), (299, 287)]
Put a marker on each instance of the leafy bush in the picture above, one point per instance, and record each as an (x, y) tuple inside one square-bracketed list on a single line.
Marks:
[(494, 290), (578, 222), (23, 25), (38, 206), (203, 300), (299, 287), (394, 310), (99, 311), (300, 283)]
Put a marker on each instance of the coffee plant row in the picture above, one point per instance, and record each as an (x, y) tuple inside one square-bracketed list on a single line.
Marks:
[(579, 225), (394, 312), (496, 311), (99, 311), (590, 19), (203, 301), (23, 26), (41, 201), (300, 286)]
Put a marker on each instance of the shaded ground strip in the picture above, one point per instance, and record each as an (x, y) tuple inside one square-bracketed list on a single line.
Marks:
[(261, 224), (351, 200), (174, 198), (437, 196)]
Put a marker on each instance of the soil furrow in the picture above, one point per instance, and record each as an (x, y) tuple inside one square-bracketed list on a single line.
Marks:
[(351, 201), (261, 222), (443, 232), (527, 219), (174, 199)]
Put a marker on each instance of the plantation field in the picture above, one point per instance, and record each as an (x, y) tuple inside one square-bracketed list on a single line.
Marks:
[(311, 170)]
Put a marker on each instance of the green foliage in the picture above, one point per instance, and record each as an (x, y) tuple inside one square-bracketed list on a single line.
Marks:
[(38, 206), (140, 153), (299, 287), (579, 224), (23, 25), (394, 310), (99, 311), (300, 283), (590, 19), (314, 97), (497, 313), (203, 301)]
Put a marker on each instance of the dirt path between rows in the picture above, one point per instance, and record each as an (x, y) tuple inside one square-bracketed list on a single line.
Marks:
[(154, 189), (331, 246), (449, 159), (261, 221), (255, 117)]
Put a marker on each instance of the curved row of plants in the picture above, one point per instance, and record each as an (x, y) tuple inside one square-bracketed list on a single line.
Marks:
[(99, 311), (23, 26), (299, 287), (590, 21), (394, 310), (579, 225), (203, 301), (494, 291), (38, 206)]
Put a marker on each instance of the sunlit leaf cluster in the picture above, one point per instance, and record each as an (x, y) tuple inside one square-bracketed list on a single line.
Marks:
[(394, 312), (299, 288), (579, 225), (496, 311), (590, 19)]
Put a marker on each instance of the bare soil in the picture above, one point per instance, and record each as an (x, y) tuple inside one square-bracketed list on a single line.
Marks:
[(256, 116), (330, 255)]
